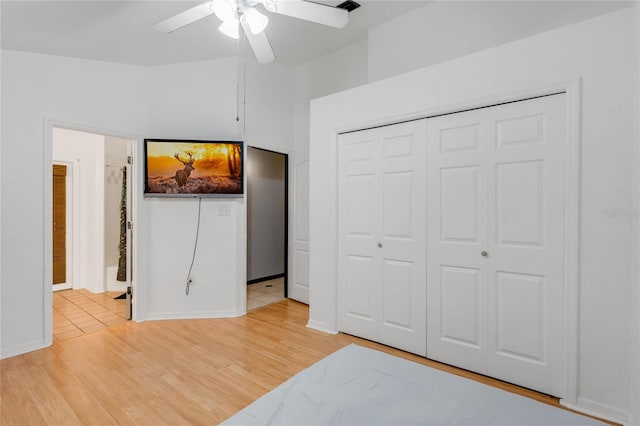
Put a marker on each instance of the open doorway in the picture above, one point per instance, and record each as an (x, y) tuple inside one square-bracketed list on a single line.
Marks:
[(91, 239), (267, 223)]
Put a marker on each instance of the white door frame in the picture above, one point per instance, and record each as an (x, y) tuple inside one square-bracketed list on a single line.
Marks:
[(573, 92), (71, 226), (49, 124)]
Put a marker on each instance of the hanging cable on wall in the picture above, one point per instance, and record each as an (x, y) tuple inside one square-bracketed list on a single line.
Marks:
[(241, 77), (195, 247)]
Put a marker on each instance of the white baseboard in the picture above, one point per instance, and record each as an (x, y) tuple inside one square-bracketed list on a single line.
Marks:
[(321, 326), (116, 286), (158, 316), (92, 290), (23, 349), (597, 409)]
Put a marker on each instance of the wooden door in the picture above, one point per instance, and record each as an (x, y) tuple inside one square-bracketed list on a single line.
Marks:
[(59, 224), (496, 235), (382, 227)]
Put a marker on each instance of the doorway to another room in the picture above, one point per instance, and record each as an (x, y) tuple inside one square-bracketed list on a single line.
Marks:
[(91, 255), (267, 221)]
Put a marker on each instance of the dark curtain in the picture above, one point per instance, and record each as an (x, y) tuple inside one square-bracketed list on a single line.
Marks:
[(122, 246)]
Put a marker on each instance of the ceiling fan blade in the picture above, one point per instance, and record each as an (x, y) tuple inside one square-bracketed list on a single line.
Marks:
[(185, 18), (314, 12), (259, 43)]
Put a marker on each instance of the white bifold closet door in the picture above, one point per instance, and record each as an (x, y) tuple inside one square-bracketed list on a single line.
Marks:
[(496, 236), (382, 235)]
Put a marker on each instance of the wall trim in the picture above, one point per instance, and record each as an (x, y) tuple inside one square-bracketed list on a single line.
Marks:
[(485, 102), (572, 226), (22, 349), (49, 124), (597, 409), (47, 234), (321, 326), (110, 286), (634, 356)]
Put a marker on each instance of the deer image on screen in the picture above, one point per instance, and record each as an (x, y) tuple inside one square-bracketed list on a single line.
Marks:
[(182, 175)]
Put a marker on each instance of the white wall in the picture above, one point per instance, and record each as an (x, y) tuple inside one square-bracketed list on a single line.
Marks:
[(322, 77), (191, 101), (199, 101), (34, 87), (314, 79), (265, 213), (86, 152), (195, 100), (634, 355), (182, 101), (600, 53), (443, 30), (434, 33)]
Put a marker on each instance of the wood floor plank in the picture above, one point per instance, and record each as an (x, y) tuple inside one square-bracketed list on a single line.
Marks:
[(85, 405), (20, 411), (187, 372)]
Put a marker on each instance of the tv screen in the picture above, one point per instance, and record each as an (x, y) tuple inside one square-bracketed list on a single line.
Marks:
[(188, 168)]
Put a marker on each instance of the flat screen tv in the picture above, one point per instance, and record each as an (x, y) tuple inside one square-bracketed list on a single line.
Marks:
[(192, 168)]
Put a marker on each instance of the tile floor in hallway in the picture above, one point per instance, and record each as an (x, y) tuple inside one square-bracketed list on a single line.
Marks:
[(264, 293), (78, 312)]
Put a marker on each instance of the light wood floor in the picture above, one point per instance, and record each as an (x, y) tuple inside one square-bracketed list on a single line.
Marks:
[(78, 312), (174, 372)]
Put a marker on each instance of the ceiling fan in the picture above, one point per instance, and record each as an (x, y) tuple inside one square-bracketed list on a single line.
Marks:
[(236, 13)]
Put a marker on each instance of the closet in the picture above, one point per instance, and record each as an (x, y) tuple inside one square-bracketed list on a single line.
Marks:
[(476, 200), (382, 235)]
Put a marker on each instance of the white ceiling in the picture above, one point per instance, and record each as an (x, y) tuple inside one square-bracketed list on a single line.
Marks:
[(120, 31)]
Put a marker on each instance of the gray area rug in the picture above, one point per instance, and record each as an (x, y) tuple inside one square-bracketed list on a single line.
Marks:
[(360, 386)]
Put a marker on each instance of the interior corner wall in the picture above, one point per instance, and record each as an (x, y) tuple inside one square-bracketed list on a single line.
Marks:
[(321, 77), (317, 78), (200, 101), (598, 52), (179, 109), (86, 153)]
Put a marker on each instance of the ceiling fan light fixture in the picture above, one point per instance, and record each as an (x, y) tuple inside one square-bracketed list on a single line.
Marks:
[(230, 28), (236, 13), (257, 21), (270, 5), (225, 10)]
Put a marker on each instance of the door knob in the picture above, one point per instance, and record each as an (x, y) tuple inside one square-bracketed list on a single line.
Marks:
[(380, 245), (484, 253)]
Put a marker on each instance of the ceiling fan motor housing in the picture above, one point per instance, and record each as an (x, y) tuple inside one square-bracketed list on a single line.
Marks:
[(348, 5)]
